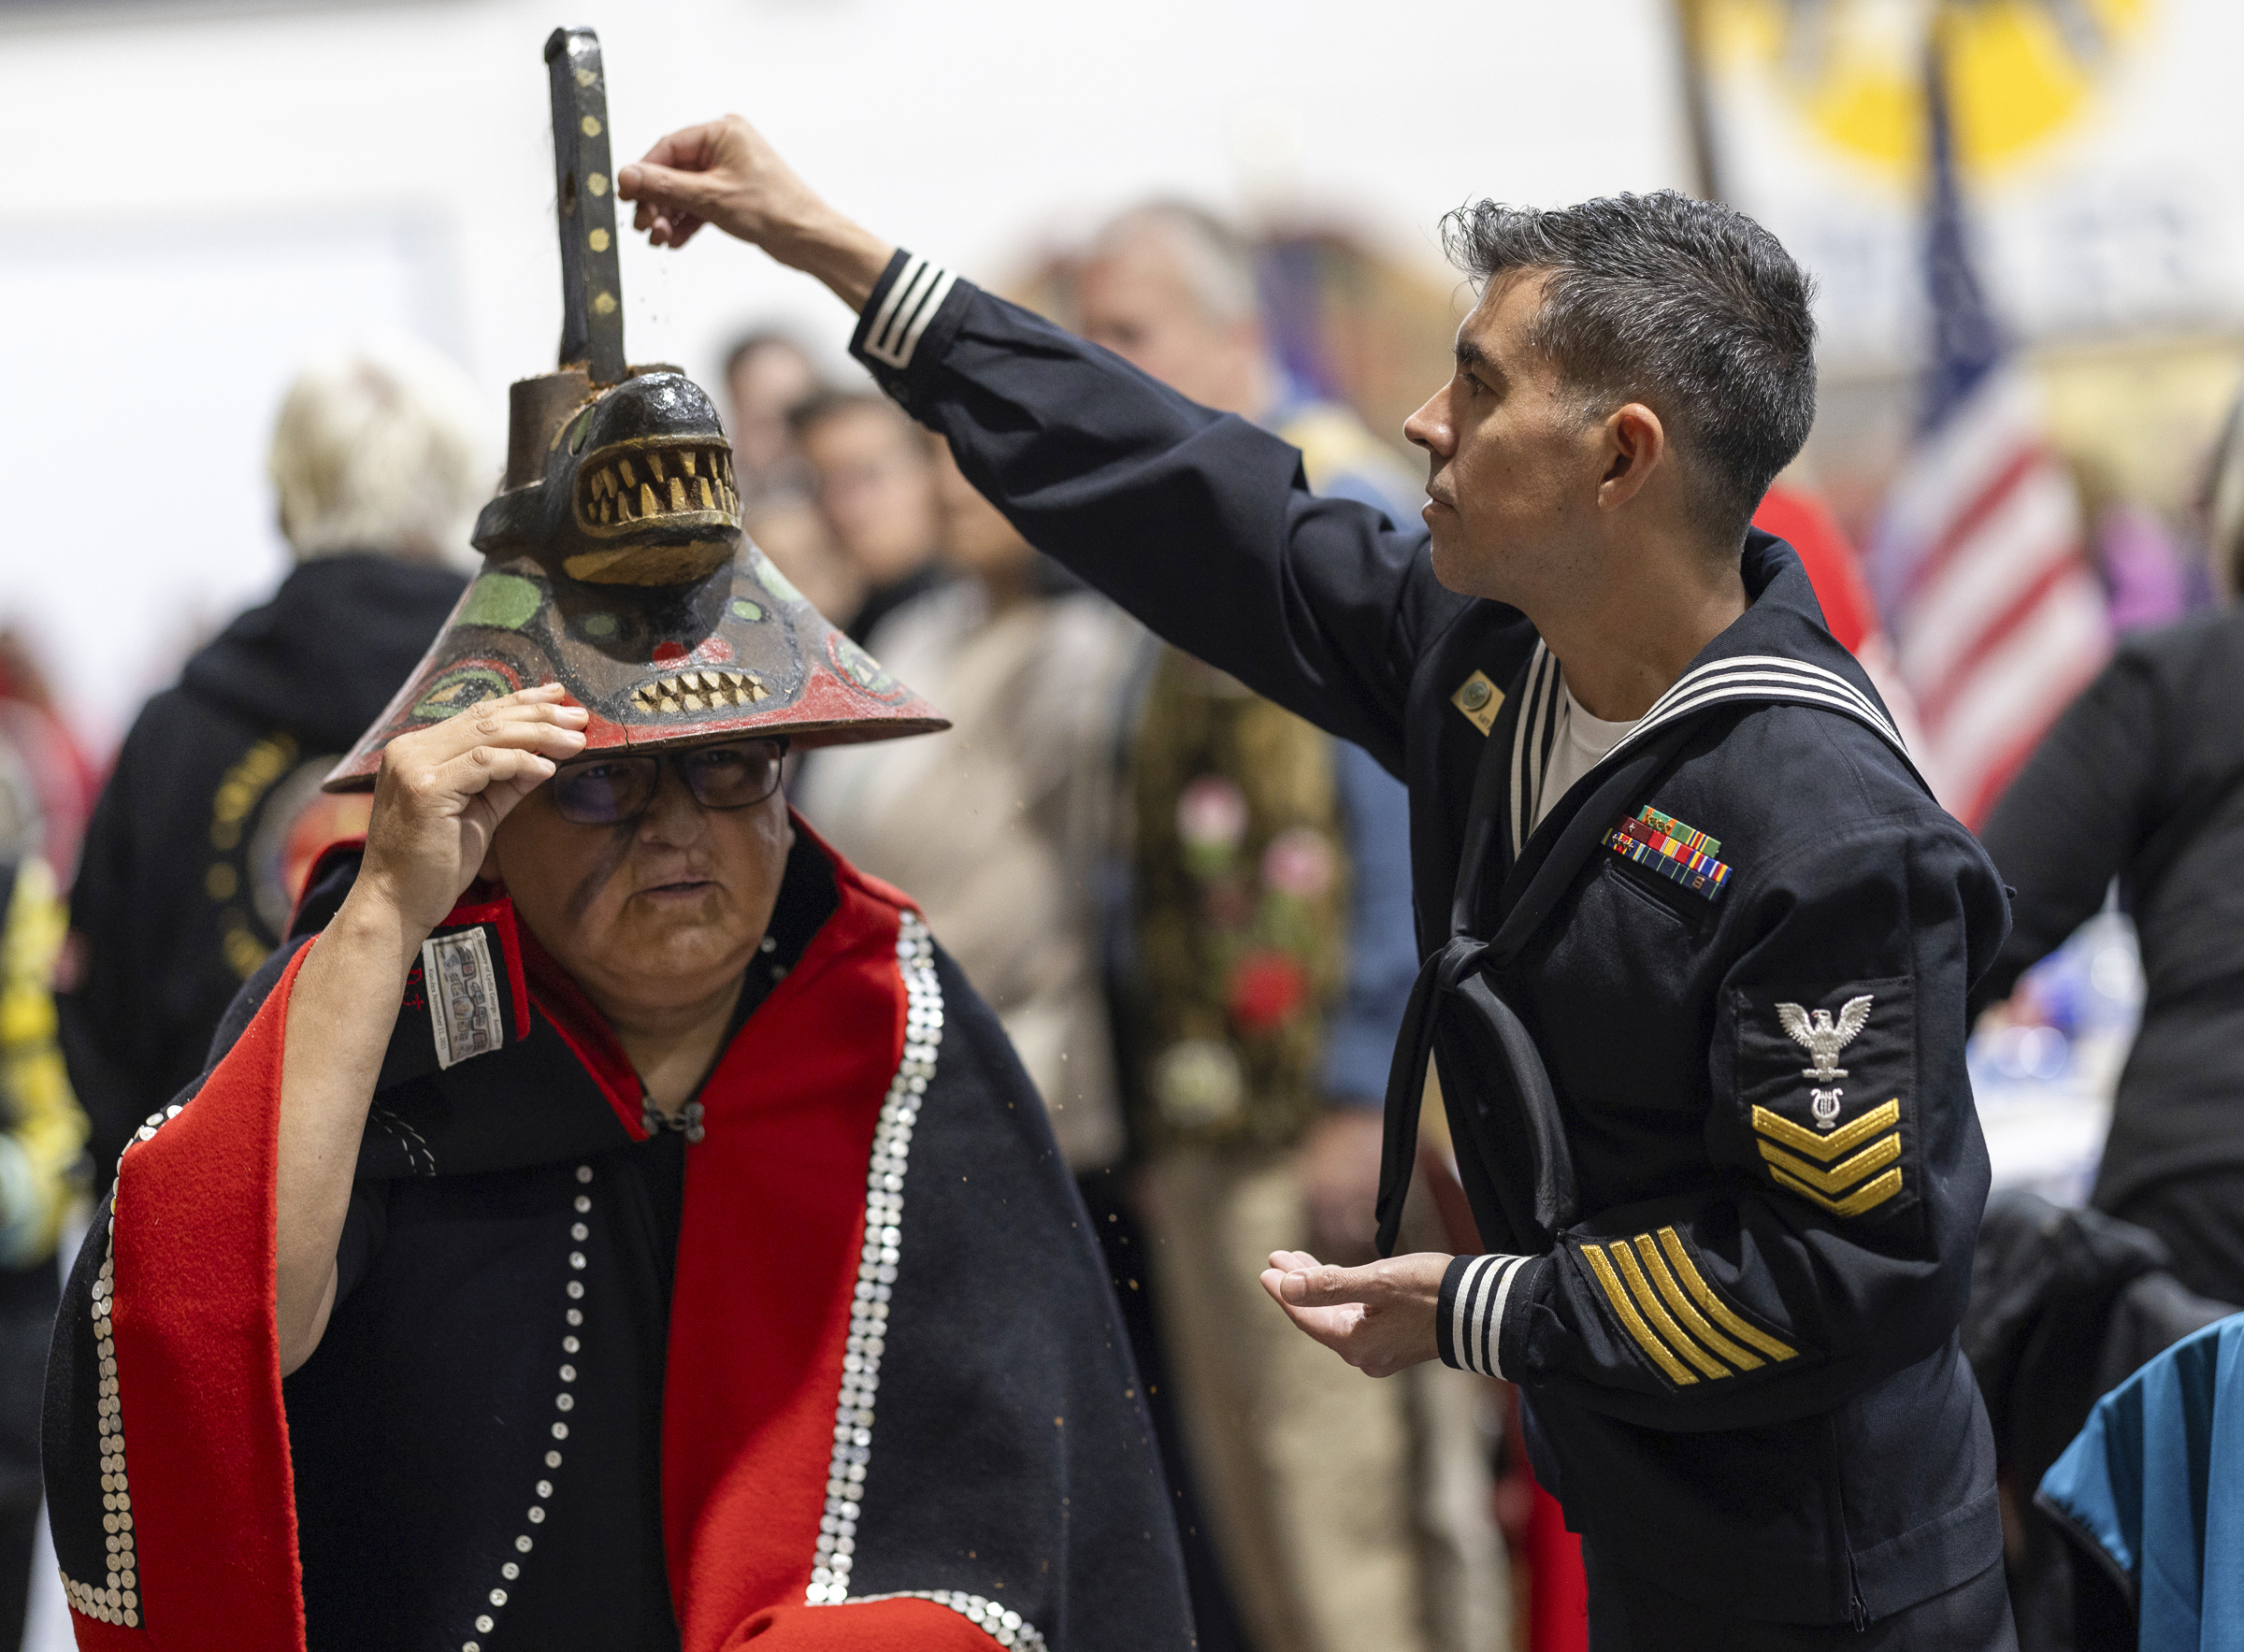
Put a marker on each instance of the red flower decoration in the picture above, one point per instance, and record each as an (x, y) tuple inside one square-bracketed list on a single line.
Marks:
[(1265, 989)]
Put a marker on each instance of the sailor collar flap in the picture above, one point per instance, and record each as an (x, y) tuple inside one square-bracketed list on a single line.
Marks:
[(1778, 652)]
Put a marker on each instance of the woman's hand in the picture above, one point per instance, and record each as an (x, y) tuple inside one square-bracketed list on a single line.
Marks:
[(441, 795), (443, 790)]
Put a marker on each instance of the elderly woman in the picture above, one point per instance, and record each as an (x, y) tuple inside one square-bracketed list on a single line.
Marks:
[(608, 1221)]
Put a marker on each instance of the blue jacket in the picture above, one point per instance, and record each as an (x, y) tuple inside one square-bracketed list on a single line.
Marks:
[(2154, 1486)]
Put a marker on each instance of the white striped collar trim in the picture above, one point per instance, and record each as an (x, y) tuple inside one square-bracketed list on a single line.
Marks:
[(1527, 764), (913, 297), (1768, 664), (1759, 676), (1766, 675)]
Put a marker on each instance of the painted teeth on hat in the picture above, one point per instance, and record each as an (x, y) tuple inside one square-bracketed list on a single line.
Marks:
[(699, 691), (654, 483)]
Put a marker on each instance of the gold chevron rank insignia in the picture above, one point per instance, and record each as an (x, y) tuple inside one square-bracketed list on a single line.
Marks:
[(1847, 1170), (1664, 1303)]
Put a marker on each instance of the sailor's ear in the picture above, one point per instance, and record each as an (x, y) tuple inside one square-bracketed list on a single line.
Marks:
[(1636, 443)]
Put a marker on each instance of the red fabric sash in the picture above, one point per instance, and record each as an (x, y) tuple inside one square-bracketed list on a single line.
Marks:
[(773, 1220), (199, 1365)]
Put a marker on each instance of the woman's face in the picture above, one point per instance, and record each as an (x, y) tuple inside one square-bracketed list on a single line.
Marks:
[(650, 916)]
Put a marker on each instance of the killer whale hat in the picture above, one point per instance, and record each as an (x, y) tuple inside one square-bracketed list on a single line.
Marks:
[(613, 558)]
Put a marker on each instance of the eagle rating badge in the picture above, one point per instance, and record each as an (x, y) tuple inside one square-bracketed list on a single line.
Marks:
[(1815, 1031), (1847, 1160)]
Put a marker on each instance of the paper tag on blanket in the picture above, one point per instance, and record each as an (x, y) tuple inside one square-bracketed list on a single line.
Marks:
[(463, 995)]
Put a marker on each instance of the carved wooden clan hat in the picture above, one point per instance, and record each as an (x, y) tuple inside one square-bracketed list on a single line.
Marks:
[(613, 560)]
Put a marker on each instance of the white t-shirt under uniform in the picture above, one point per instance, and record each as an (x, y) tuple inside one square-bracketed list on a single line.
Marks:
[(1580, 745)]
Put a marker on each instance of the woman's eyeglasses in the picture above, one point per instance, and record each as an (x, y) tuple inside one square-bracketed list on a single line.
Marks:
[(609, 791)]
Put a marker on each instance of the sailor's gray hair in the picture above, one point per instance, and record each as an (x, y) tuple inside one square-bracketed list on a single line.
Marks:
[(378, 449), (1687, 305)]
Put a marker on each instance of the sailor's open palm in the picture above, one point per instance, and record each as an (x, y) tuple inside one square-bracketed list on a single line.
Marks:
[(443, 790), (1379, 1318)]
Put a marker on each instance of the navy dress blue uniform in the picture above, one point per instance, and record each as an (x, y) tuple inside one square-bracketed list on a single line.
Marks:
[(1701, 1032)]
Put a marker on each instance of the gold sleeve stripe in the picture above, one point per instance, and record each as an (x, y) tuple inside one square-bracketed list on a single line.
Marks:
[(1868, 1196), (1822, 1148), (1657, 1267), (1625, 1311), (1844, 1174), (1662, 1321), (1716, 1309)]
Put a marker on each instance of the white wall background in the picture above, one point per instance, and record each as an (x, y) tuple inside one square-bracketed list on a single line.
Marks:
[(199, 199)]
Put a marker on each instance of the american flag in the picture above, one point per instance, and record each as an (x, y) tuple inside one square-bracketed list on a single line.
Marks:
[(1997, 619)]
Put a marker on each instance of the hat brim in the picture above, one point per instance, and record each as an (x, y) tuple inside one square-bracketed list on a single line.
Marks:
[(740, 653)]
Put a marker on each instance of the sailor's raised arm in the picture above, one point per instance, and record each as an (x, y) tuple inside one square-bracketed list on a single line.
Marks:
[(1197, 522)]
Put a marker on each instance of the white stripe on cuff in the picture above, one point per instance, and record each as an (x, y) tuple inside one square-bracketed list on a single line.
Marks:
[(1476, 1320), (913, 297)]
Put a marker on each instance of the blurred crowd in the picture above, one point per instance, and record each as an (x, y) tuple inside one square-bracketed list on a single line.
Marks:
[(1189, 908)]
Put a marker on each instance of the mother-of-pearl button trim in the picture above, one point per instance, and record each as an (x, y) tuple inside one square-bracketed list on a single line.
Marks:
[(1006, 1626), (869, 1312), (876, 1264), (564, 1401), (117, 1601)]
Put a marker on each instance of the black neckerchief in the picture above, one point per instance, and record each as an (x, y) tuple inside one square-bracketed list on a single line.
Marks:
[(1778, 652)]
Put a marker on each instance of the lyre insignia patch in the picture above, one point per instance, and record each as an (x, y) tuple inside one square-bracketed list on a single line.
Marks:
[(1851, 1160), (1479, 699)]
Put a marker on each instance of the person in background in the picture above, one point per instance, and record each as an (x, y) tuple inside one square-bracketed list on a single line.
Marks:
[(42, 1179), (767, 377), (1273, 955), (1032, 669), (875, 485), (47, 782), (1038, 675), (2150, 578), (2142, 780), (200, 842)]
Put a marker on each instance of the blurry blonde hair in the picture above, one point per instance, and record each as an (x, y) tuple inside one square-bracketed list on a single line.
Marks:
[(1214, 261), (376, 449)]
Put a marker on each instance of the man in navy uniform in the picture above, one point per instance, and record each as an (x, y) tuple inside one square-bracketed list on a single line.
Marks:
[(1696, 936)]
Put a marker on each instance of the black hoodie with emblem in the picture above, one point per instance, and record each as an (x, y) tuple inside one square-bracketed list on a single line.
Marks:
[(1700, 1031), (211, 817)]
